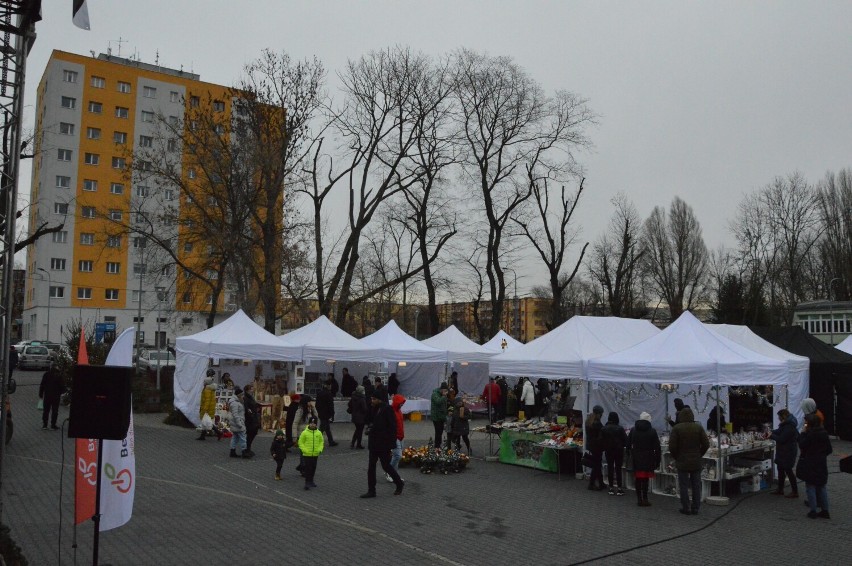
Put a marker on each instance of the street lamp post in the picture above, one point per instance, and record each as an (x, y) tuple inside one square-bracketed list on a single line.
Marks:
[(416, 320), (49, 285), (831, 309), (160, 291)]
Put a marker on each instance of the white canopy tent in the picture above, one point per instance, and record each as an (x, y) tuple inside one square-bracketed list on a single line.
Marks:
[(323, 340), (395, 346), (799, 383), (846, 345), (496, 343), (467, 357), (562, 352), (687, 353), (238, 337)]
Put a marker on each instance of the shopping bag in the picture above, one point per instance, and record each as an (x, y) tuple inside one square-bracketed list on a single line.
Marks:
[(587, 460), (846, 465), (40, 405)]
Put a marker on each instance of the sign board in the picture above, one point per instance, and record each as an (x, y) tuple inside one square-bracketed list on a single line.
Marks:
[(105, 332)]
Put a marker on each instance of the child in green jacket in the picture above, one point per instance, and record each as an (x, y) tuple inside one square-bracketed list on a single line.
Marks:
[(311, 445)]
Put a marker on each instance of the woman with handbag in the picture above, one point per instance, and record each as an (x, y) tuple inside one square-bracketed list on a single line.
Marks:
[(595, 447), (645, 454), (814, 447)]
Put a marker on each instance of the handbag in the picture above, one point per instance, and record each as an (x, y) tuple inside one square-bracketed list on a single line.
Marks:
[(587, 460), (40, 405)]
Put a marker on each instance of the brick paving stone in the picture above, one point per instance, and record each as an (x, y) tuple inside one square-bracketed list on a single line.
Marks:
[(194, 505)]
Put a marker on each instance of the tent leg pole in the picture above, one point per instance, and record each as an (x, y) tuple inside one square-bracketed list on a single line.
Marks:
[(721, 470)]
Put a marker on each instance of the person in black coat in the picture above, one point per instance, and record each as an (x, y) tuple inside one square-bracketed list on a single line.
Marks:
[(644, 453), (292, 412), (614, 439), (358, 410), (381, 441), (786, 450), (393, 385), (815, 447), (335, 388), (49, 391), (252, 416), (593, 444), (712, 420), (13, 359), (348, 383), (368, 394), (325, 410)]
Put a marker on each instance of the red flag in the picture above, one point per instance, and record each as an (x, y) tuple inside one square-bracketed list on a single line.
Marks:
[(86, 458)]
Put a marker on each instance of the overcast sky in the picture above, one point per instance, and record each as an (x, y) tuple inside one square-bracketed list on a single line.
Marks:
[(704, 100)]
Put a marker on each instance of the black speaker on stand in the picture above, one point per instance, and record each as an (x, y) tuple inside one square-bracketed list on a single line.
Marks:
[(101, 400)]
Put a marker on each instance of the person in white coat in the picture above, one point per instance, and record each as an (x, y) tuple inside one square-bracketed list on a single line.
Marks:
[(528, 398)]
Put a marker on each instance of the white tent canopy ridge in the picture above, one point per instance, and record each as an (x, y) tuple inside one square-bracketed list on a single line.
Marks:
[(459, 347), (323, 340), (501, 342)]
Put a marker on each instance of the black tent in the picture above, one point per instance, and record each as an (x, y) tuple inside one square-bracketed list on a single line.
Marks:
[(830, 374)]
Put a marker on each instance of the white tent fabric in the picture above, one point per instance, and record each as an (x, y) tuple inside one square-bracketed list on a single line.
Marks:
[(393, 345), (689, 352), (459, 347), (496, 343), (562, 352), (846, 345), (799, 384), (238, 337), (323, 340)]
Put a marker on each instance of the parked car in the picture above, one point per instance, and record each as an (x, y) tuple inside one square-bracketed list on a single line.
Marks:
[(24, 343), (148, 360), (34, 356)]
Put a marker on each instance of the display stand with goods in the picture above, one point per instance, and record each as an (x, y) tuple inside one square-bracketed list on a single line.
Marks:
[(538, 444), (434, 460)]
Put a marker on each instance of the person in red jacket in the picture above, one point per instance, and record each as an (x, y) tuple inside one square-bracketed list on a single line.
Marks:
[(396, 454), (492, 397)]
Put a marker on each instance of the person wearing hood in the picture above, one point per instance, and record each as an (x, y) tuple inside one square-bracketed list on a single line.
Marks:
[(238, 424), (614, 439), (311, 446), (278, 451), (593, 444), (438, 412), (809, 407), (687, 443), (208, 401), (643, 449), (814, 448), (358, 410), (786, 450), (679, 406), (714, 423), (393, 384), (396, 454), (348, 383)]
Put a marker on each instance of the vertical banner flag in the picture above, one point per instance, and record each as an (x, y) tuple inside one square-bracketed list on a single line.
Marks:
[(86, 459), (118, 479), (80, 14)]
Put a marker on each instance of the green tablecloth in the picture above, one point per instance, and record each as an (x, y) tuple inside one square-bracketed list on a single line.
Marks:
[(519, 448)]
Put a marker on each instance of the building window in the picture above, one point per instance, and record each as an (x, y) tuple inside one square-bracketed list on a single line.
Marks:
[(87, 239), (60, 208), (93, 133), (166, 270), (115, 214), (92, 159), (113, 241), (116, 188), (98, 82), (119, 137), (191, 173), (149, 92), (134, 297), (187, 298), (63, 154), (171, 145), (212, 275), (174, 96), (109, 319), (85, 265), (173, 121), (219, 129), (187, 247), (66, 129), (68, 102), (88, 212), (139, 269), (139, 242), (168, 194), (147, 116), (124, 87), (57, 264), (121, 112), (139, 319), (69, 76), (60, 237), (84, 293), (146, 141), (119, 163), (63, 182), (57, 292), (111, 294), (90, 185), (193, 125), (139, 218), (95, 107), (218, 106), (141, 191), (194, 101)]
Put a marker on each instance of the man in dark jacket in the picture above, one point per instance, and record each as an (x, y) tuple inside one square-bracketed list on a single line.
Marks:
[(325, 410), (815, 446), (679, 406), (292, 412), (252, 410), (13, 359), (786, 450), (614, 439), (688, 443), (348, 383), (50, 390), (381, 441)]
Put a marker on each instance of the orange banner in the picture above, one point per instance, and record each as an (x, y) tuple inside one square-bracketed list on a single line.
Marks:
[(85, 461)]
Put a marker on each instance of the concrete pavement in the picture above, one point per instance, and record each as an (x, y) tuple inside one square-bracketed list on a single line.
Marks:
[(195, 506)]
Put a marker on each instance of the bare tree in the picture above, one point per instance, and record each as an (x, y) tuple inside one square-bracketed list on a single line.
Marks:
[(676, 257), (505, 120), (835, 244), (548, 231), (616, 258)]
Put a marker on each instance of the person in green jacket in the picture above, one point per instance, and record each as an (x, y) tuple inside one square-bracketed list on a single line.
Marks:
[(438, 411), (688, 443), (311, 445)]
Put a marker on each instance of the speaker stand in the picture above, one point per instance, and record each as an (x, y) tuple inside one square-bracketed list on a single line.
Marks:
[(97, 516)]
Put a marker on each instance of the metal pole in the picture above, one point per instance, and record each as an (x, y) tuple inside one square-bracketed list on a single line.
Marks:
[(831, 309), (159, 305), (139, 308), (49, 285), (97, 516), (719, 444)]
